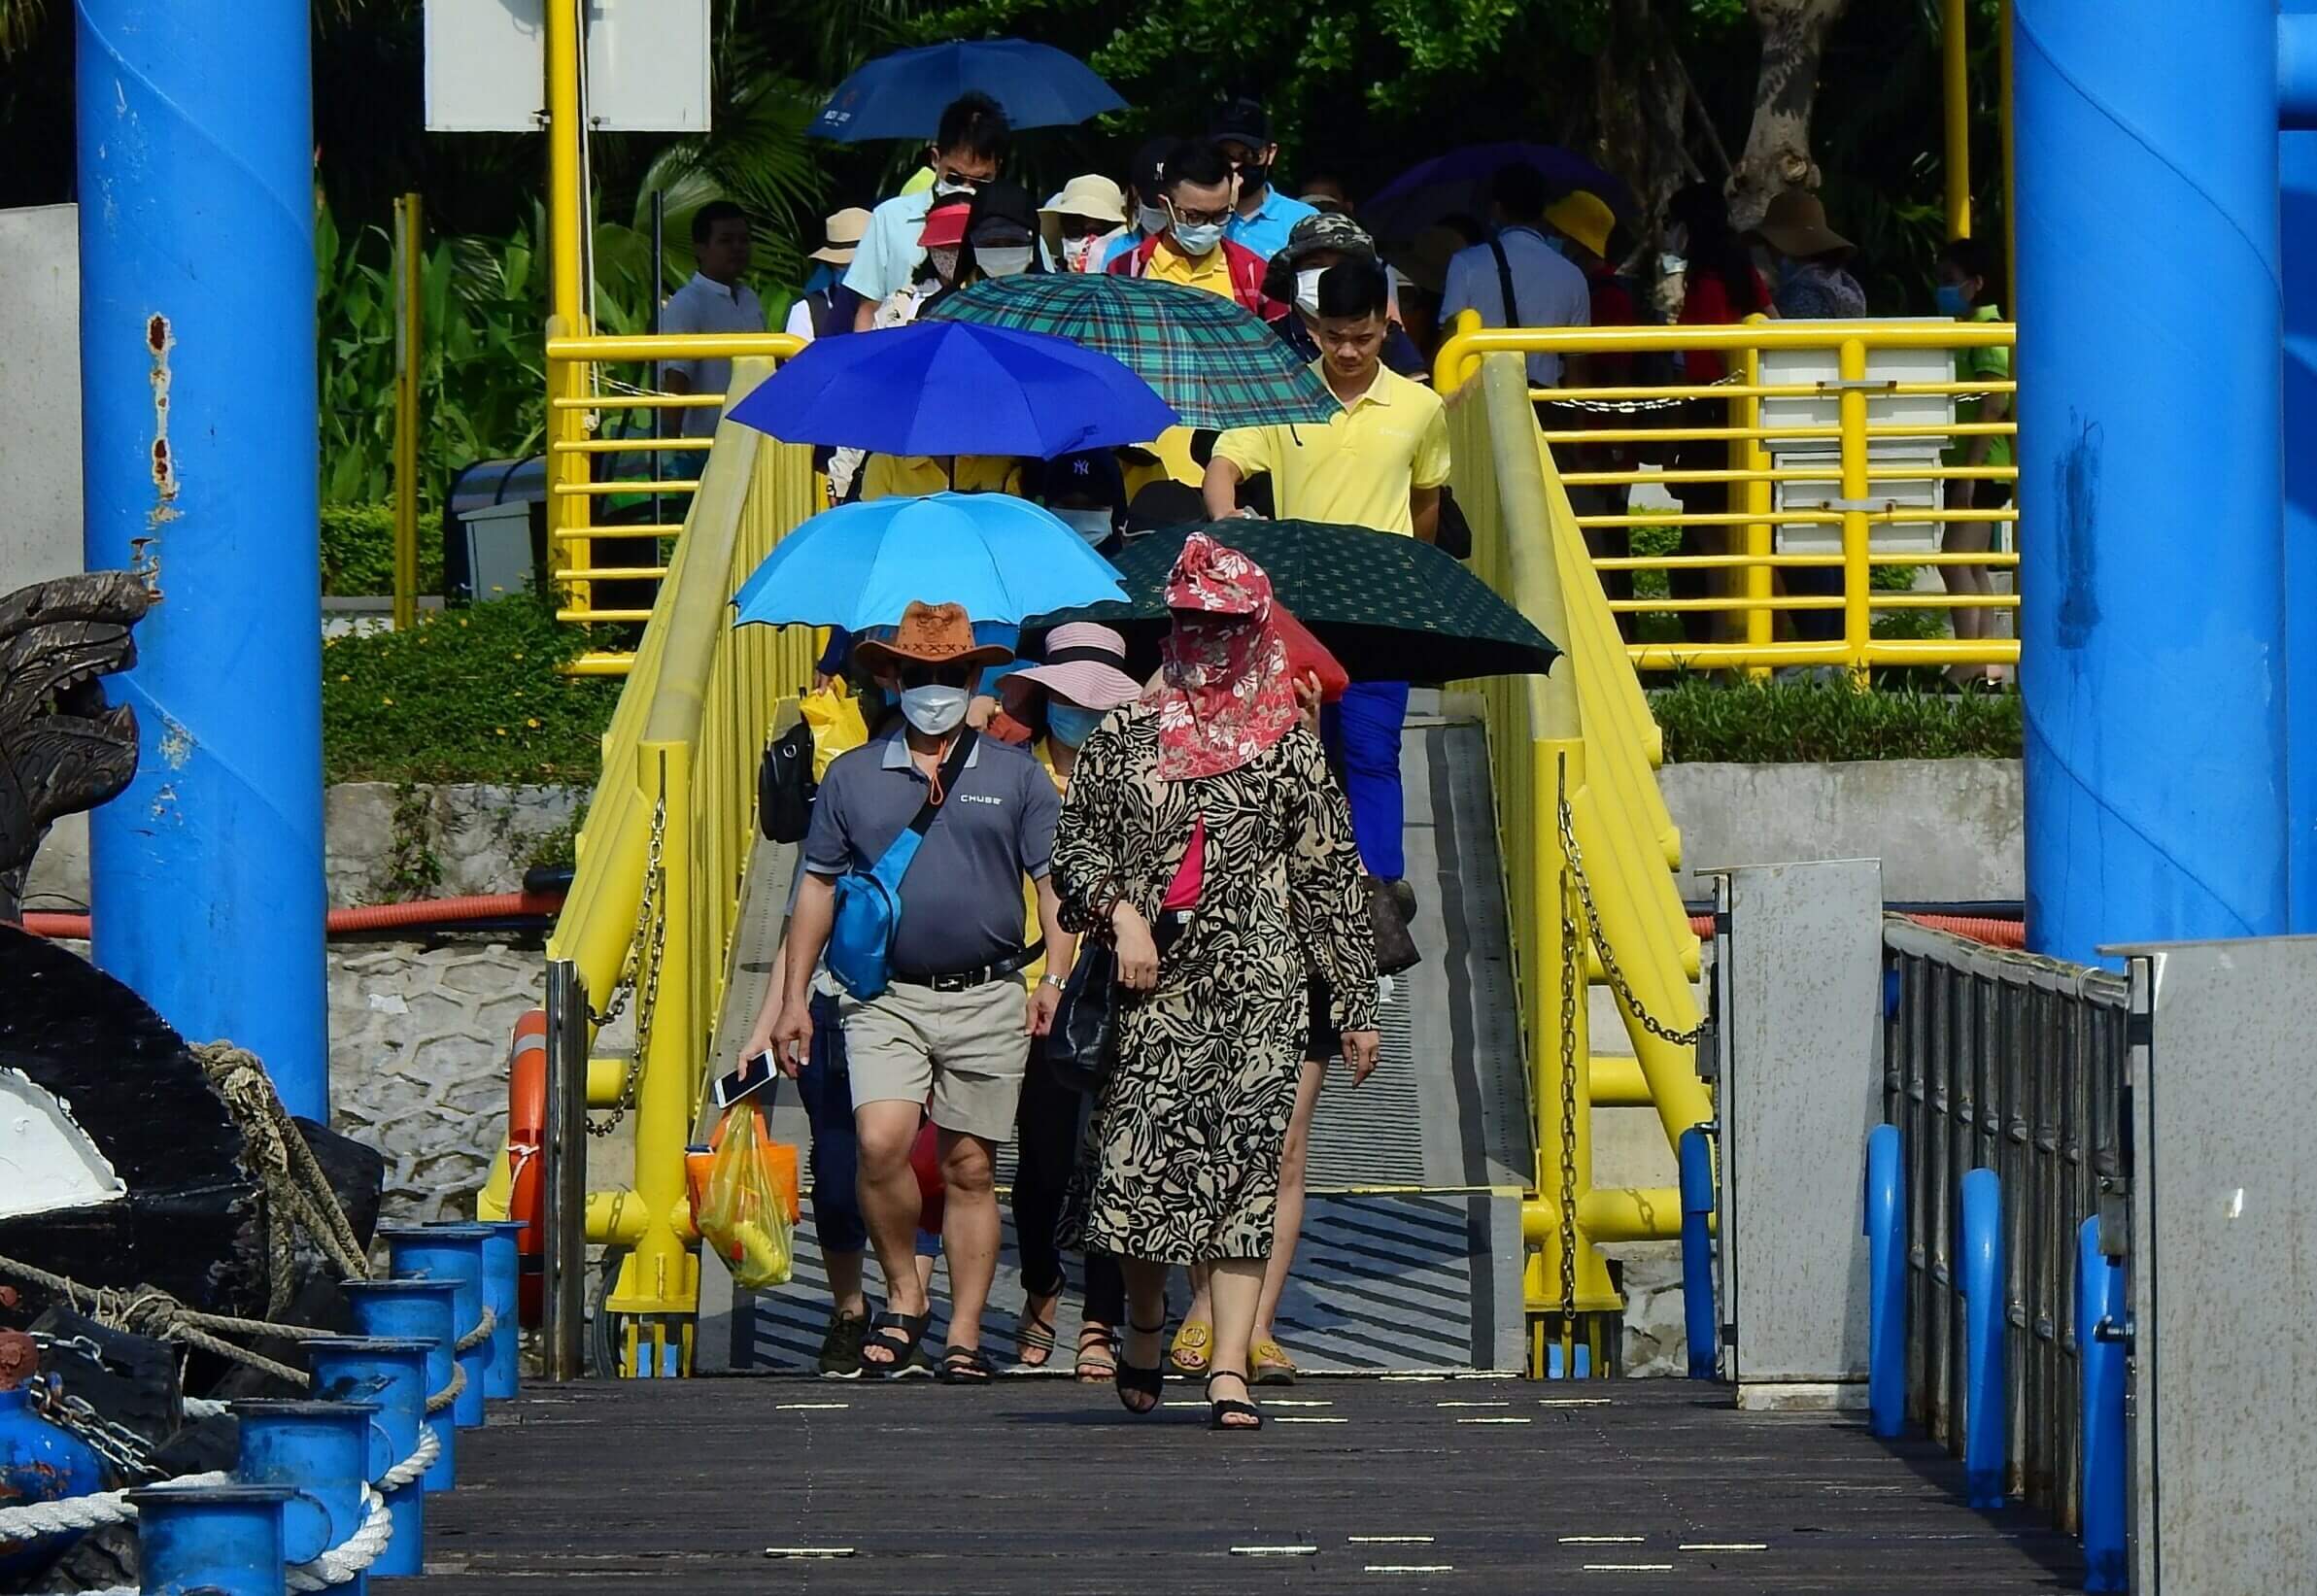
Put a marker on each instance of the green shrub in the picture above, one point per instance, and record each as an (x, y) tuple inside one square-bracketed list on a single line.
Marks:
[(468, 694), (358, 551), (1805, 722)]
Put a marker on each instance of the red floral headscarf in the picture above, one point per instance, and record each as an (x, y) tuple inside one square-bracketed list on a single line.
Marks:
[(1224, 695)]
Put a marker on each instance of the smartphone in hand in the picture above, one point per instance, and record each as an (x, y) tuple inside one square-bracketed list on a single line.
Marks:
[(739, 1083)]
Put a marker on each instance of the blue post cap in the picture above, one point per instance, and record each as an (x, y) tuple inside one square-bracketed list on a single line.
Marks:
[(451, 1230)]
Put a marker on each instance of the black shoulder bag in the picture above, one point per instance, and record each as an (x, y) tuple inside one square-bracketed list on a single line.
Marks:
[(784, 786), (1083, 1043)]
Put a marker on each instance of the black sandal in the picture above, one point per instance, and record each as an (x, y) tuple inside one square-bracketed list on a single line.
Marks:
[(1220, 1413), (1098, 1355), (965, 1366), (1034, 1332), (903, 1346), (1133, 1381)]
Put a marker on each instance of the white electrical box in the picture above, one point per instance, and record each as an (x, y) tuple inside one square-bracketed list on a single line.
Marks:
[(647, 66)]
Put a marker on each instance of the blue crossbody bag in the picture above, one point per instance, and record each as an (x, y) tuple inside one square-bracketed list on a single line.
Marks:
[(860, 952)]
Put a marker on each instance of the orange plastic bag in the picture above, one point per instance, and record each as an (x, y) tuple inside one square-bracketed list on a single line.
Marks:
[(743, 1218)]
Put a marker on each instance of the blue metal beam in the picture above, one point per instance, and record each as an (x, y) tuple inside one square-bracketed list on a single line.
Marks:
[(2297, 160), (2152, 620), (199, 434)]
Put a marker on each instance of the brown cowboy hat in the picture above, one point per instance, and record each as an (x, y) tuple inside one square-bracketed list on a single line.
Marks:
[(929, 634), (1795, 226)]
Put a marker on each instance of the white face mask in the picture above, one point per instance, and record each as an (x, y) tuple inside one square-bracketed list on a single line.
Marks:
[(1306, 289), (1002, 262), (934, 709), (1152, 219), (1077, 253), (1094, 525)]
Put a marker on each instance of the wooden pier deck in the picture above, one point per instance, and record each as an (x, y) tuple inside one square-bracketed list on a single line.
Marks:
[(1041, 1487)]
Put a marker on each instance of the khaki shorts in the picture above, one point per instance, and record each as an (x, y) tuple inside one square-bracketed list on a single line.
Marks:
[(965, 1049)]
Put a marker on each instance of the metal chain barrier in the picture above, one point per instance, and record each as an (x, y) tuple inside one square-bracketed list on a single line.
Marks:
[(1572, 961), (646, 949), (1610, 968), (1640, 407)]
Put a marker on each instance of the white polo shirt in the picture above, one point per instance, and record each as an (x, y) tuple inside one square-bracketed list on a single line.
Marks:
[(704, 305)]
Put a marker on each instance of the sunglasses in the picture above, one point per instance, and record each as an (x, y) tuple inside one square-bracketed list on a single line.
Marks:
[(935, 675)]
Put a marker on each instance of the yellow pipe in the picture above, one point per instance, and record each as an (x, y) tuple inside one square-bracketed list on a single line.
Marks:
[(617, 1219), (1630, 1214), (410, 256), (607, 1081), (1858, 625), (692, 346), (566, 204), (1619, 1083), (1956, 106)]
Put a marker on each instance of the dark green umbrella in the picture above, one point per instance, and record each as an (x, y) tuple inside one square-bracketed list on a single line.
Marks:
[(1216, 365), (1390, 608)]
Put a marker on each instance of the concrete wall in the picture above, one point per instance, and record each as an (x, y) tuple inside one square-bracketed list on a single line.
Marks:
[(40, 393), (1945, 830)]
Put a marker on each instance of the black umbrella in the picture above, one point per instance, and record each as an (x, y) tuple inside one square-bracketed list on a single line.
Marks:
[(1392, 609)]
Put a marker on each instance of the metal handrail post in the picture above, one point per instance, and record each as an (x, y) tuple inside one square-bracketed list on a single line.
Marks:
[(1986, 1409), (564, 1175)]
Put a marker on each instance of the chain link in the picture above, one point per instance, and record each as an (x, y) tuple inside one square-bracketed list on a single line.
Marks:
[(1610, 968), (125, 1450), (1638, 407), (646, 950), (1572, 961)]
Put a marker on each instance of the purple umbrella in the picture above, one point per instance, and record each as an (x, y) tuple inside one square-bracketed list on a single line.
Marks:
[(1459, 179)]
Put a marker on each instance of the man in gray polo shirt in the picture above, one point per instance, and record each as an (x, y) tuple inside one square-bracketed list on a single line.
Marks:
[(950, 1026)]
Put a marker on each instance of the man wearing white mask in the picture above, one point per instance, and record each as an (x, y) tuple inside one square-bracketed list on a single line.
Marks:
[(947, 1036), (1197, 188), (968, 149)]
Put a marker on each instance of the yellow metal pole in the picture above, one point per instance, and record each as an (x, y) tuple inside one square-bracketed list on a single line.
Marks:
[(1955, 74), (568, 289), (410, 270), (1750, 454), (1857, 618)]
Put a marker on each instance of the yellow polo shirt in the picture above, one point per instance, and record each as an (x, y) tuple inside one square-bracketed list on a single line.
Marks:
[(1211, 271), (890, 476), (1359, 468)]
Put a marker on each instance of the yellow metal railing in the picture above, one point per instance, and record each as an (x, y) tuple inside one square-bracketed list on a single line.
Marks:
[(1865, 446), (664, 854), (1582, 737), (591, 384)]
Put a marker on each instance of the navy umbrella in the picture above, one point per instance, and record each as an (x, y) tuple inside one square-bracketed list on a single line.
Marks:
[(955, 388), (1458, 181), (900, 96)]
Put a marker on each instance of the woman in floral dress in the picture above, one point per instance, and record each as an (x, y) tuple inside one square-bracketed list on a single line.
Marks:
[(1204, 833)]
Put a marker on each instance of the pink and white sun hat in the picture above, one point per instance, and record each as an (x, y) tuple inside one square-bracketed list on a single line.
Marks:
[(1083, 663)]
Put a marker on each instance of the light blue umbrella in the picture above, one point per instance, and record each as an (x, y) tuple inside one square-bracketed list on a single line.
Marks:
[(861, 565)]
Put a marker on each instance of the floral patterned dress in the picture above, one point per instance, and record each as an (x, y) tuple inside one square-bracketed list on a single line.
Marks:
[(1181, 1162)]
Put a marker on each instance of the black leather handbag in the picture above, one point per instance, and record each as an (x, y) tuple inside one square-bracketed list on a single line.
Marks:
[(1083, 1043), (784, 786), (1395, 948)]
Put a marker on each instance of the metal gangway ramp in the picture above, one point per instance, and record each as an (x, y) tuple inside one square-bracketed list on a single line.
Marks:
[(1453, 1253)]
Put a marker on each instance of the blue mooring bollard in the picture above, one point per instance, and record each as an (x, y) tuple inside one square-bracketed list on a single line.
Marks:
[(1699, 1319), (419, 1309), (321, 1449), (1886, 1283), (453, 1253), (211, 1539), (502, 1286), (393, 1374), (2100, 1351), (1987, 1407)]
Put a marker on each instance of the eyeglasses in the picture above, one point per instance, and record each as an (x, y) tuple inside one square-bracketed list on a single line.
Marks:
[(1198, 218)]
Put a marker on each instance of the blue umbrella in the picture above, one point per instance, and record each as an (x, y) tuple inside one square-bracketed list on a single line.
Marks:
[(1458, 181), (860, 565), (900, 96), (955, 388)]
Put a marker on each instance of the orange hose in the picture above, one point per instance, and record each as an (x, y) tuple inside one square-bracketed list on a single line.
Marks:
[(2000, 933), (435, 911)]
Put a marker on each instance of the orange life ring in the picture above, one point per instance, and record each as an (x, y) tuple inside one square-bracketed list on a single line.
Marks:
[(527, 1132)]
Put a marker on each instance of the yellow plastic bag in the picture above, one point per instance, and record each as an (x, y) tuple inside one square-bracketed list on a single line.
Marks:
[(743, 1218), (837, 726)]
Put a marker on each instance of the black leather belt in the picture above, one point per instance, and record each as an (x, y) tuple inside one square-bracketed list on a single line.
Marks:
[(965, 980)]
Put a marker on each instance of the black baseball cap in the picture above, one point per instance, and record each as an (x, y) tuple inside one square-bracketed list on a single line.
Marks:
[(1243, 121), (1150, 161)]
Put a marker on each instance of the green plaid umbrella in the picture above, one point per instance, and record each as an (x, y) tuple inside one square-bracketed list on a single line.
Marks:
[(1390, 608), (1217, 365)]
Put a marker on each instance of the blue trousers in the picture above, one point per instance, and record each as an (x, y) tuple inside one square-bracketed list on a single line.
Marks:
[(826, 1086), (1363, 733)]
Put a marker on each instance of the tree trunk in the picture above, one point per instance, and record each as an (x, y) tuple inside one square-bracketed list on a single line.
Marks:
[(1641, 102), (1777, 155)]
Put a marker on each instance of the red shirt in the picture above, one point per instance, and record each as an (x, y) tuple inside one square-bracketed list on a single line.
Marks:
[(1248, 269), (1705, 301)]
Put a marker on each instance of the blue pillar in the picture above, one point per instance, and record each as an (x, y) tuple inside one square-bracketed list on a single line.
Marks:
[(453, 1253), (198, 432), (2151, 619), (2297, 162)]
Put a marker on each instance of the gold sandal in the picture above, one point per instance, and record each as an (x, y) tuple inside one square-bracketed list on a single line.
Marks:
[(1188, 1353), (1272, 1365)]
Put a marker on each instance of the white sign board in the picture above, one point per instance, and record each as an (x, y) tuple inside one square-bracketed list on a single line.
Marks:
[(647, 65)]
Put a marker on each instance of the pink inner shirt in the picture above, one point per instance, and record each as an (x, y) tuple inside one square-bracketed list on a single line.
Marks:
[(1183, 893)]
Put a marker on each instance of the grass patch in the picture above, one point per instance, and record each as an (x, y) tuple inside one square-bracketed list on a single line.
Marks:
[(468, 694), (1811, 723)]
